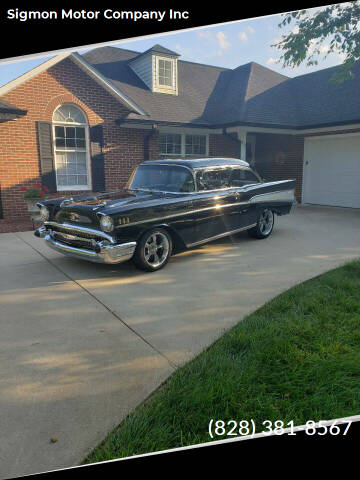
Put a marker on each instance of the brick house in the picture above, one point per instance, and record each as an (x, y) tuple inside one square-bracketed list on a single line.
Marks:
[(83, 123)]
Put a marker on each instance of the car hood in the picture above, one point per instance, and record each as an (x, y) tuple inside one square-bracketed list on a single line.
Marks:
[(85, 209), (122, 198)]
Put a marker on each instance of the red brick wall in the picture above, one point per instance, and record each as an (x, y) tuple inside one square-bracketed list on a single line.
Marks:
[(62, 83), (279, 157), (127, 144), (224, 145)]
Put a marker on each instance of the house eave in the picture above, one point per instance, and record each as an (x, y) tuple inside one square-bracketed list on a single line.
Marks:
[(13, 111), (154, 123), (288, 127), (275, 128), (330, 124)]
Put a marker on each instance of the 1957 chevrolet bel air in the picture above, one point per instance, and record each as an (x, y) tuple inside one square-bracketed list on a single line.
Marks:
[(166, 206)]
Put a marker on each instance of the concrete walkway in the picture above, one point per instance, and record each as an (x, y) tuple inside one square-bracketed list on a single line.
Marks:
[(82, 344)]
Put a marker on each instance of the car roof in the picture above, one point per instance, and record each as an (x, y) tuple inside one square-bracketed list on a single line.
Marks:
[(199, 162)]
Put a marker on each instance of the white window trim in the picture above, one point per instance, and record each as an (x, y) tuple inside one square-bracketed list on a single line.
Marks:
[(158, 85), (73, 188), (183, 135)]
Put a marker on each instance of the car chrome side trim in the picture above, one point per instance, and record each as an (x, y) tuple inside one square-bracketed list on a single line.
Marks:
[(77, 228), (221, 235), (279, 196)]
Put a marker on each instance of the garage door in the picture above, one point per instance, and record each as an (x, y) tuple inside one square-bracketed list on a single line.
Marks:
[(332, 171)]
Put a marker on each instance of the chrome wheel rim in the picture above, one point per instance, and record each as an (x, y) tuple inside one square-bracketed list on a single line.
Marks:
[(156, 249), (266, 222)]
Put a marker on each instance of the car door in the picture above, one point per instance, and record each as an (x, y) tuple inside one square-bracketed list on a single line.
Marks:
[(227, 203), (242, 213), (211, 202)]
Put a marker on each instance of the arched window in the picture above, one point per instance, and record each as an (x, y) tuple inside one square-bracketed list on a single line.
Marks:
[(71, 147)]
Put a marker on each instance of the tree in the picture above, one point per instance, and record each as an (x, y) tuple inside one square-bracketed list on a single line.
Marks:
[(335, 28)]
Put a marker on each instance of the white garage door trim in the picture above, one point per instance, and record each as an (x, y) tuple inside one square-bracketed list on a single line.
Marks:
[(308, 141)]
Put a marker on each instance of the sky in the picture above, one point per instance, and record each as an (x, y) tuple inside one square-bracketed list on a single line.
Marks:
[(228, 45)]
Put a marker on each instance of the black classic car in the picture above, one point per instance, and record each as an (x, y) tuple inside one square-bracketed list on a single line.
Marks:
[(166, 206)]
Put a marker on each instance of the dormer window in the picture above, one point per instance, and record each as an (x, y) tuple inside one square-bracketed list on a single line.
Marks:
[(165, 72), (158, 69)]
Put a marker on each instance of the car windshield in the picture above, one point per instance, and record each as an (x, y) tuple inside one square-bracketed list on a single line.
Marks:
[(162, 178)]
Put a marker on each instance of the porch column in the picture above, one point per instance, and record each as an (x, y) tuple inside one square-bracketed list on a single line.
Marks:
[(241, 135)]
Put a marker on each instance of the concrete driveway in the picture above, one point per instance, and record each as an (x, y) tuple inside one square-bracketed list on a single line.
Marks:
[(82, 344)]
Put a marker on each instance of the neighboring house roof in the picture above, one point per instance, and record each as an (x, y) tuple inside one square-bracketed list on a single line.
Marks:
[(9, 111)]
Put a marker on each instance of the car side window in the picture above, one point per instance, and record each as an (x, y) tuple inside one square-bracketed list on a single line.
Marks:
[(213, 179), (242, 176)]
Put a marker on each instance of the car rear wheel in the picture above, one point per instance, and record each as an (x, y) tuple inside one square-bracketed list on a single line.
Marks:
[(264, 225), (153, 250)]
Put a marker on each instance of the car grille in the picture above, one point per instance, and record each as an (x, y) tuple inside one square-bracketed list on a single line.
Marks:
[(75, 238)]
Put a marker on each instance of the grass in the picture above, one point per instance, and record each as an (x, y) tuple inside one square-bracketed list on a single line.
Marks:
[(296, 358)]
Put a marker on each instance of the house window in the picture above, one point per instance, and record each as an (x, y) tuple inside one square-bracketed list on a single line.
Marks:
[(169, 145), (165, 72), (71, 147), (195, 145), (182, 145)]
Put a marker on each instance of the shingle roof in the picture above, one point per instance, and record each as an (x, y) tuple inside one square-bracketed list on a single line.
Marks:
[(320, 101), (196, 85), (160, 49), (250, 94), (9, 111)]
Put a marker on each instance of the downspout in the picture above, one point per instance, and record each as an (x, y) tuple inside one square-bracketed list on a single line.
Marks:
[(147, 141)]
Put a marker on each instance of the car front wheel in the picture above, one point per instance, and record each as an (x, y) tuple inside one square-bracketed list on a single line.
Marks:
[(264, 225), (153, 250)]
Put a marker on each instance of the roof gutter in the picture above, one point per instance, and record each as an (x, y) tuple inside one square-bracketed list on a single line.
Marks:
[(224, 126), (13, 111), (155, 123), (287, 127)]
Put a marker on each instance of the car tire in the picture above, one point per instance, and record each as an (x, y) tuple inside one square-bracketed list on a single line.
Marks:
[(153, 250), (264, 225)]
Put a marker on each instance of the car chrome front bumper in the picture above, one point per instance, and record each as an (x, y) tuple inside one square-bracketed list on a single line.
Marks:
[(109, 253)]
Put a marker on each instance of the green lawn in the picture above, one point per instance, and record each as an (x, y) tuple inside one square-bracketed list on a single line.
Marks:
[(296, 358)]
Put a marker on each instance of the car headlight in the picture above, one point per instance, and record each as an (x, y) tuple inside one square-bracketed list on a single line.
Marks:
[(44, 214), (107, 223)]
